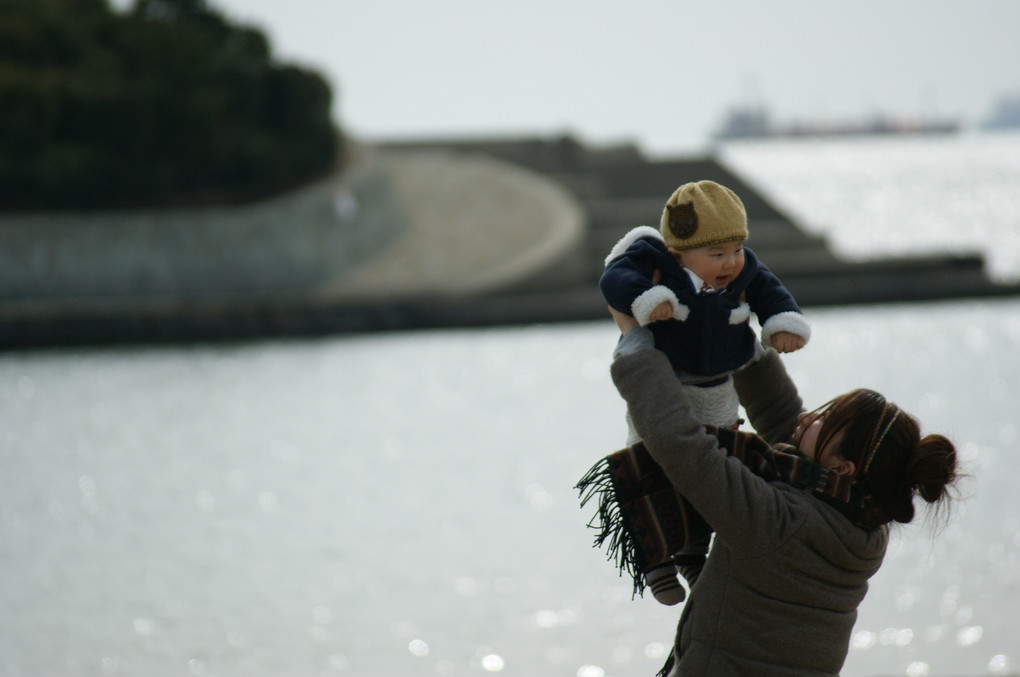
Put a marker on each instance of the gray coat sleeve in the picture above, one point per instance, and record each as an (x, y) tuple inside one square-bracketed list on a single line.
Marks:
[(750, 515), (769, 397)]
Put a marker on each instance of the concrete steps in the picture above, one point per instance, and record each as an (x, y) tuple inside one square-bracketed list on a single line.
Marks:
[(619, 190)]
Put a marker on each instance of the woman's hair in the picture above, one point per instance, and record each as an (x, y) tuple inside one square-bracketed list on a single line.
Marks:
[(889, 454)]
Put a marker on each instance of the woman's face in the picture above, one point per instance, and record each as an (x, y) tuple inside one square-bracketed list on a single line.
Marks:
[(806, 433), (806, 437)]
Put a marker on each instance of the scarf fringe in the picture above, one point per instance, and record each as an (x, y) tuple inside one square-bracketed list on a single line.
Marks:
[(664, 672), (611, 523), (642, 522)]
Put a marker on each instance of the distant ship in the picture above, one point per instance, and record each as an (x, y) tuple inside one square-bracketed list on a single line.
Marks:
[(1006, 114), (756, 123)]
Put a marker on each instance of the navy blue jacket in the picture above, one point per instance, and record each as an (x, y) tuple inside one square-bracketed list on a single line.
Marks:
[(710, 332)]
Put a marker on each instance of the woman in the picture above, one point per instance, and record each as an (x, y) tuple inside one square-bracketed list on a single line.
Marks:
[(780, 591)]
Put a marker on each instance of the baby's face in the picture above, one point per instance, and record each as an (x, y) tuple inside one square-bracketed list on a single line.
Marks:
[(717, 264)]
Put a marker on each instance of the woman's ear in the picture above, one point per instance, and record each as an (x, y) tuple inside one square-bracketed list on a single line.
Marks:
[(841, 466)]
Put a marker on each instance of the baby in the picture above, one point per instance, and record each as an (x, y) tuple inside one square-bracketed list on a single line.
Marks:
[(695, 285)]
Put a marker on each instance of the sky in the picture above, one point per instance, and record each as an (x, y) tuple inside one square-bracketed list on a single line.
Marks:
[(658, 73)]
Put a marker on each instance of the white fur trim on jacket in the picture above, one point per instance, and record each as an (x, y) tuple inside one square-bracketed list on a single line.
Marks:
[(790, 321), (632, 236), (740, 314), (649, 300)]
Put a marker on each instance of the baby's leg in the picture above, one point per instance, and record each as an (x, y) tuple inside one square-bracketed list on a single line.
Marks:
[(714, 405), (665, 586), (691, 560)]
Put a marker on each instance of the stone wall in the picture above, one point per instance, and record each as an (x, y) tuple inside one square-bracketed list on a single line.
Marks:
[(282, 246), (396, 228)]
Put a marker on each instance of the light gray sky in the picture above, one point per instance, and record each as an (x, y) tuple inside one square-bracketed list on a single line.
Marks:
[(661, 73)]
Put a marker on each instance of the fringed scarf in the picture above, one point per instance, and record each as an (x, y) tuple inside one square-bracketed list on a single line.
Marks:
[(643, 521)]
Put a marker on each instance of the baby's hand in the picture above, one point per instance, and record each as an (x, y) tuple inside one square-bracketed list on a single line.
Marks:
[(663, 311), (786, 342)]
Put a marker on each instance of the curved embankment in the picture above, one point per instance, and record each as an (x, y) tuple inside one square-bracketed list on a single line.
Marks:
[(393, 227), (473, 225)]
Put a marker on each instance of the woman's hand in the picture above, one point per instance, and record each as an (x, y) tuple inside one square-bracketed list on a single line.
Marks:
[(623, 321)]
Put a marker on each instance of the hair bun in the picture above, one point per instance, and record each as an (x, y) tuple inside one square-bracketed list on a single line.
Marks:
[(932, 467)]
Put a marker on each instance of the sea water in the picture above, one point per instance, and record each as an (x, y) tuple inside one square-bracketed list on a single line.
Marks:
[(402, 504)]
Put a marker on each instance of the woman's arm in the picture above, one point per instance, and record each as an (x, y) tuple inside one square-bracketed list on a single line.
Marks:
[(746, 512), (623, 321), (764, 388), (769, 397)]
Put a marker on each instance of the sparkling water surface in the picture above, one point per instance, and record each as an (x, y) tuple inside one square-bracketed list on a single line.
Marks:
[(401, 504), (880, 196)]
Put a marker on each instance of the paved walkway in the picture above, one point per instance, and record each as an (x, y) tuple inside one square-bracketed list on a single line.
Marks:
[(473, 224)]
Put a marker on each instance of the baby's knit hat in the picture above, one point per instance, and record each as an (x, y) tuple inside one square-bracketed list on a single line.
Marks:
[(703, 213)]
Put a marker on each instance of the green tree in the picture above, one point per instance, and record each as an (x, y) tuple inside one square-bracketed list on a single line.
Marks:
[(167, 104)]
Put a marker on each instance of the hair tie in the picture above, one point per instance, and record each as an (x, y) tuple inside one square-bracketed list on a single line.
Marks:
[(874, 450)]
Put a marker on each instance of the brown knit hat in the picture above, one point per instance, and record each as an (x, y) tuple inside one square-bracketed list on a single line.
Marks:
[(703, 213)]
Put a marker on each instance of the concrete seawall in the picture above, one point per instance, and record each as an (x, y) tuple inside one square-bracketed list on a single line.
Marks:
[(354, 251), (97, 263), (411, 235)]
